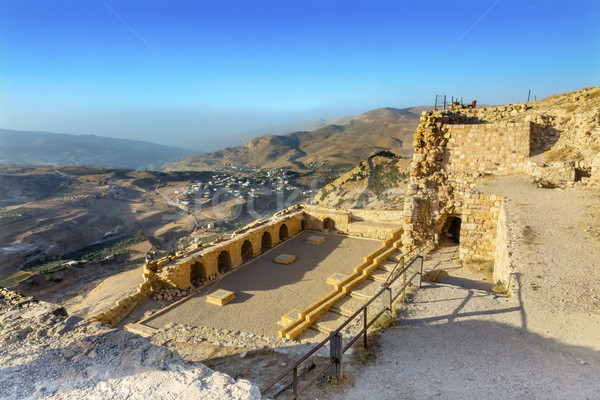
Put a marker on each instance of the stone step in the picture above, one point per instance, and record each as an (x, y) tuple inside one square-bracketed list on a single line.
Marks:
[(396, 256), (339, 311), (348, 306), (379, 275), (312, 335), (359, 296), (365, 290), (388, 265), (329, 322)]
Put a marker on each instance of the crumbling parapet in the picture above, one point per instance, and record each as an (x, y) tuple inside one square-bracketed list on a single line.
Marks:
[(124, 306)]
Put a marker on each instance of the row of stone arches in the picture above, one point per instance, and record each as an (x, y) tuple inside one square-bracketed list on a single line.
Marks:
[(198, 269)]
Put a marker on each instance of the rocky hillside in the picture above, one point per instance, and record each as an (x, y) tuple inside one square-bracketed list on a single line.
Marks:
[(376, 183), (47, 355), (336, 146)]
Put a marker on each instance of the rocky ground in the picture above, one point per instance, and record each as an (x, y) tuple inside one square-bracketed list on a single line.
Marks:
[(46, 355)]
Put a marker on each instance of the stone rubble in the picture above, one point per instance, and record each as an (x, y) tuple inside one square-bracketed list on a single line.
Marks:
[(227, 338), (47, 355)]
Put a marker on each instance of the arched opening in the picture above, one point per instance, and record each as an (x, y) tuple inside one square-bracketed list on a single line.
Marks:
[(247, 252), (283, 232), (224, 261), (197, 273), (452, 229), (303, 224), (265, 242), (328, 224)]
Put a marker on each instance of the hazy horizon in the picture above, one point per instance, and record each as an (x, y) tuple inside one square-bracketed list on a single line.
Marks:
[(200, 76)]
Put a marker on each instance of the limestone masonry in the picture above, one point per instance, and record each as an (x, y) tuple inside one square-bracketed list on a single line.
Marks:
[(456, 148)]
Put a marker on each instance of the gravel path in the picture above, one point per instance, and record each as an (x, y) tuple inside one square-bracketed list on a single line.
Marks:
[(541, 343), (557, 256)]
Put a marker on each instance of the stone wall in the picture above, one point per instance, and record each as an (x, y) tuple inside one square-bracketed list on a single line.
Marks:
[(392, 216), (452, 151), (316, 218), (553, 174), (500, 148), (124, 306), (479, 226), (204, 263), (502, 265), (373, 224)]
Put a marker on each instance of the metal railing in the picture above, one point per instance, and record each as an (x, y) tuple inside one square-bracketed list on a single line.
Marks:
[(336, 348)]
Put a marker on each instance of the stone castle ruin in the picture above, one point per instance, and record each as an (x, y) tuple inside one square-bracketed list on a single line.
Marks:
[(454, 150)]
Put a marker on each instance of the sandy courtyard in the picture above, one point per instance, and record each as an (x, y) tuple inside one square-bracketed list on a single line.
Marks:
[(265, 290)]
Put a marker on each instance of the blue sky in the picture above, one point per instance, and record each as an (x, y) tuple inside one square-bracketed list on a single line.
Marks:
[(74, 67)]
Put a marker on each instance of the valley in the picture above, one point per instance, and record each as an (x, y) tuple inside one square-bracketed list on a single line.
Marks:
[(65, 228)]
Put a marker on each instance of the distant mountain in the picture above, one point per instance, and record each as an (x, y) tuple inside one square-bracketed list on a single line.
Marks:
[(300, 126), (44, 148), (333, 145)]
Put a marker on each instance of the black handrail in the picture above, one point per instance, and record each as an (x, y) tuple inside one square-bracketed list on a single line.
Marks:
[(294, 367)]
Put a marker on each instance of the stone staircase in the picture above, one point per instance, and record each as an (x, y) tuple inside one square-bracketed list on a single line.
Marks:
[(355, 289), (354, 300), (364, 291)]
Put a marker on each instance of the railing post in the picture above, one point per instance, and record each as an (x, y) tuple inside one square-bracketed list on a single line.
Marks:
[(365, 328), (335, 353), (419, 268), (403, 296), (386, 298), (295, 382)]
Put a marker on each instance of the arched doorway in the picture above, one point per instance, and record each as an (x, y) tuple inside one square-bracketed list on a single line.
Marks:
[(224, 261), (452, 228), (197, 273), (283, 232), (247, 252), (304, 224), (328, 224), (265, 242)]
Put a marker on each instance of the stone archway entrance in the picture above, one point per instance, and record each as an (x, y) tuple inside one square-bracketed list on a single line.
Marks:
[(224, 261), (283, 232), (328, 224), (247, 251), (266, 243), (197, 273), (451, 229)]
